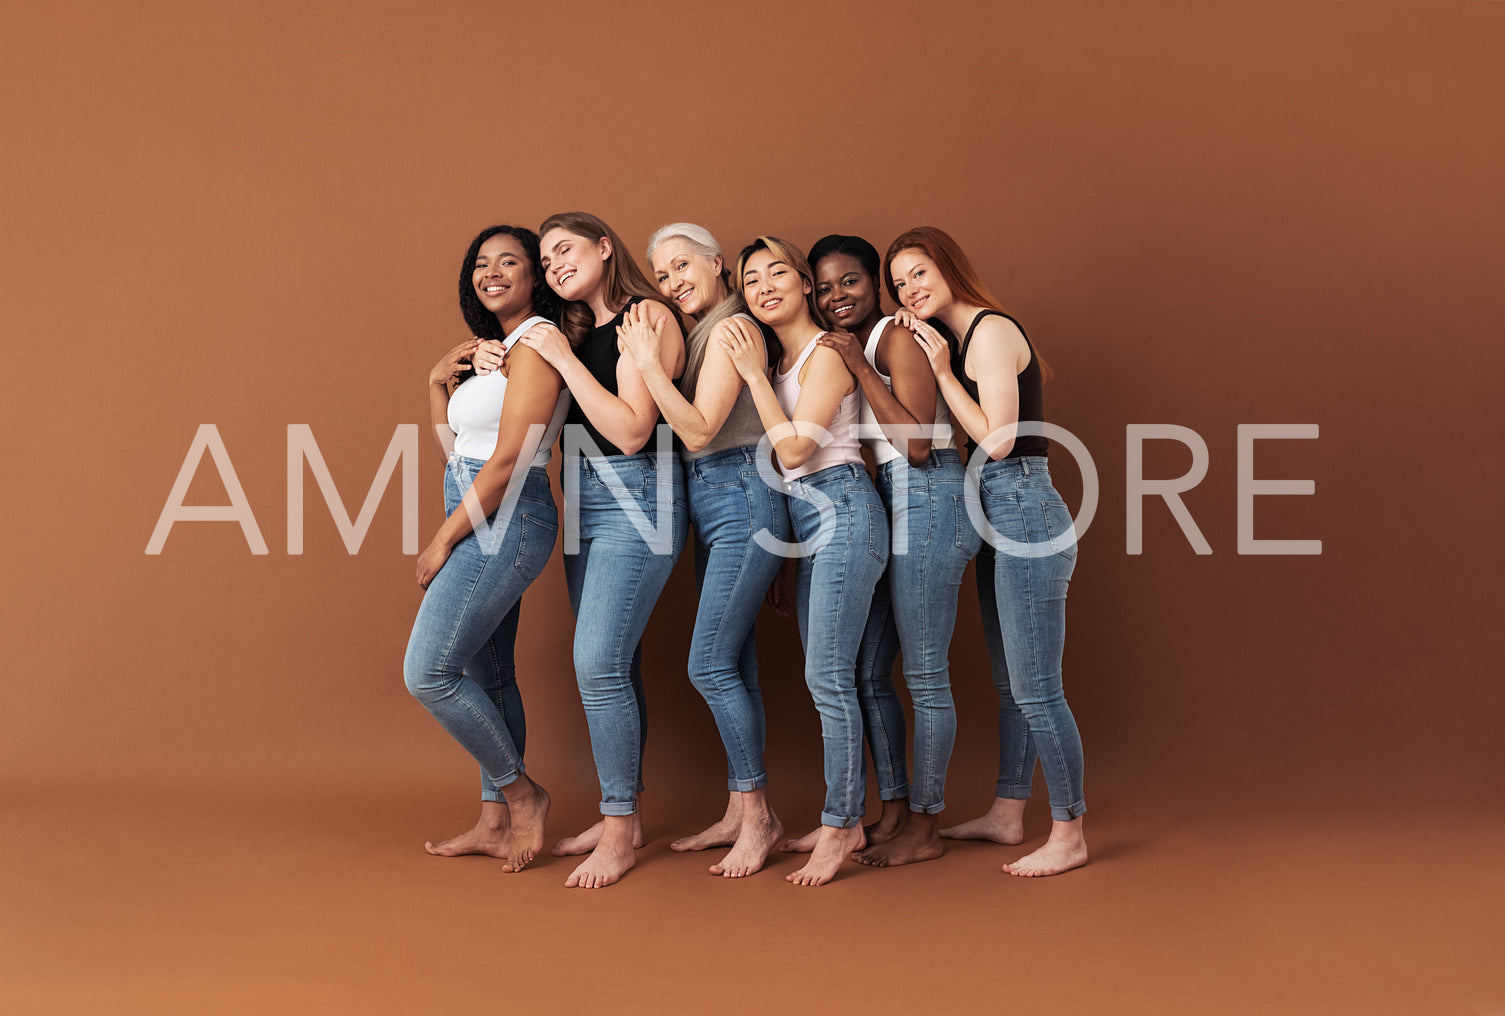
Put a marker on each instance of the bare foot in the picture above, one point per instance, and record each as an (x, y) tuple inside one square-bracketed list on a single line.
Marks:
[(529, 804), (919, 840), (586, 841), (723, 833), (611, 858), (761, 829), (1065, 849), (804, 844), (489, 836), (890, 823), (1004, 823), (832, 848)]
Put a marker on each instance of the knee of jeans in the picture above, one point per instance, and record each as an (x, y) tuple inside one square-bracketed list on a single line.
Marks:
[(714, 677), (598, 661), (1038, 697), (935, 695), (874, 680), (423, 682)]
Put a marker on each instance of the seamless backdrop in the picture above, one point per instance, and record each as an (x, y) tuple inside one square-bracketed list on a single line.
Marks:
[(1207, 216)]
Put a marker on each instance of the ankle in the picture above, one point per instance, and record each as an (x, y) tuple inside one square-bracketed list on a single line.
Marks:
[(1067, 832)]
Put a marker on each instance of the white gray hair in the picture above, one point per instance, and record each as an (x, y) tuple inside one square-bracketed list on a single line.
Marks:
[(698, 237)]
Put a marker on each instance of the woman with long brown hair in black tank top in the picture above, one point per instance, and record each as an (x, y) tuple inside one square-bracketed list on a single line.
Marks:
[(991, 382), (629, 506)]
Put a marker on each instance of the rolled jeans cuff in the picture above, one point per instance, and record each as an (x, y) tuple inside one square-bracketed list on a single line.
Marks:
[(494, 793), (743, 786), (1070, 812), (826, 818)]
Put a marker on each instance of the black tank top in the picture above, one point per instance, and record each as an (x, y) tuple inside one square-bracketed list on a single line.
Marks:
[(1031, 395), (598, 353)]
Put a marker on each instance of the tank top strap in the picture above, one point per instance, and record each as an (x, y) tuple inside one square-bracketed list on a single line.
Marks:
[(511, 338), (799, 364), (874, 337)]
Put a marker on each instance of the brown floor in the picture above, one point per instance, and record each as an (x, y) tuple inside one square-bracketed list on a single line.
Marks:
[(191, 903)]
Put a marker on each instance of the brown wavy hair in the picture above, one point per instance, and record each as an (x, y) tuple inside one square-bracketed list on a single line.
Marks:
[(621, 276), (963, 280)]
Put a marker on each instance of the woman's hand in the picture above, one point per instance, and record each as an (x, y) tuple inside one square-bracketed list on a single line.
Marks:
[(453, 363), (937, 349), (548, 342), (852, 354), (640, 339), (742, 342), (490, 356), (430, 561)]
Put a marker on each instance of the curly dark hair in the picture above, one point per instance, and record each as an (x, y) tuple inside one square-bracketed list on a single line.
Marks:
[(481, 322), (478, 319)]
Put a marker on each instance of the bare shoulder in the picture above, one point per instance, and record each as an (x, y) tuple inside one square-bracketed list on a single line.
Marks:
[(658, 308), (826, 362), (529, 361), (897, 343), (997, 340)]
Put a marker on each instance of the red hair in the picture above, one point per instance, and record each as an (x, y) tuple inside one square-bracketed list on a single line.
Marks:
[(963, 280)]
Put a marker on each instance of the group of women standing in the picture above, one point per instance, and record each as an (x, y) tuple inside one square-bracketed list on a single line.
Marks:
[(787, 368)]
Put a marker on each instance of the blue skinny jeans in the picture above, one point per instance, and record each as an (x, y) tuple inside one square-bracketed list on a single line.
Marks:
[(459, 660), (729, 502), (1023, 602), (614, 579), (914, 608)]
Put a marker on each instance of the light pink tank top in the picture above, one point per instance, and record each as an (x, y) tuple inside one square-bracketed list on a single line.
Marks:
[(844, 446)]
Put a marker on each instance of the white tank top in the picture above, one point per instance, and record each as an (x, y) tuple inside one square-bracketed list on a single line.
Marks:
[(844, 446), (475, 409), (882, 448)]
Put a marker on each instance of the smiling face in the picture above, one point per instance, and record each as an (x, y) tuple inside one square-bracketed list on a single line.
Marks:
[(503, 278), (919, 283), (774, 290), (845, 291), (687, 278), (573, 265)]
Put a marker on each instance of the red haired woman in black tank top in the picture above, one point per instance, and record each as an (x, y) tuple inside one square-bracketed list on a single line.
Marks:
[(991, 381)]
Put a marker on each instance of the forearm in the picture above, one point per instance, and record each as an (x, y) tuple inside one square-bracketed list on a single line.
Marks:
[(966, 413), (486, 493), (791, 447), (898, 423), (439, 416), (681, 414), (613, 417)]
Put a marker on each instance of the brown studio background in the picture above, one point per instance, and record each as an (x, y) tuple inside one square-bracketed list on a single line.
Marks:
[(1204, 216)]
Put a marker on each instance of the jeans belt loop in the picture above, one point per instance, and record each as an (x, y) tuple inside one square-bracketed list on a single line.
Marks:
[(1025, 463)]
